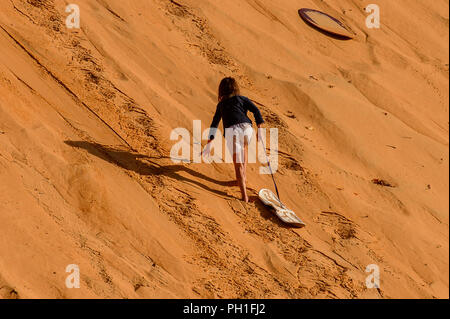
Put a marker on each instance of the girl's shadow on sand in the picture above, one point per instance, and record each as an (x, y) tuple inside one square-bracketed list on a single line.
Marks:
[(145, 165)]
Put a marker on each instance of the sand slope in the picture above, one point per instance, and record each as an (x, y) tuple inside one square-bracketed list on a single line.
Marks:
[(85, 178)]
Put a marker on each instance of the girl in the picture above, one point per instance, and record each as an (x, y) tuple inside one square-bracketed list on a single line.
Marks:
[(233, 109)]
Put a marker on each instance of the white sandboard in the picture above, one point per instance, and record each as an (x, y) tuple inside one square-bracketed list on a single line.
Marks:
[(283, 213)]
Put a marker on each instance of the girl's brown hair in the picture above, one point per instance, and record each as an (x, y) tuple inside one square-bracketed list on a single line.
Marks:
[(228, 88)]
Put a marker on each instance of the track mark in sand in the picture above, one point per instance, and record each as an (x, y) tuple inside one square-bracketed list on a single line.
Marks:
[(21, 12), (131, 118), (290, 115), (313, 264), (228, 268), (323, 275), (203, 39), (63, 85), (113, 107), (230, 271), (291, 163), (382, 98), (108, 8), (348, 235), (433, 214), (381, 182), (6, 291), (216, 253), (346, 229), (80, 133), (271, 117), (176, 3), (338, 224), (140, 282), (198, 34), (288, 142), (258, 6), (98, 263), (317, 272)]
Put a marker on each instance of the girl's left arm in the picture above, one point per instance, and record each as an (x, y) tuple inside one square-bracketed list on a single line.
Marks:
[(256, 112)]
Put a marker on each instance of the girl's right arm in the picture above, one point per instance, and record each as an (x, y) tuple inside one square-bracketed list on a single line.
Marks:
[(212, 131), (214, 125), (255, 110)]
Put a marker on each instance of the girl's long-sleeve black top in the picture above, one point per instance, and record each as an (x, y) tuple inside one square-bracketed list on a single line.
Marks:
[(234, 111)]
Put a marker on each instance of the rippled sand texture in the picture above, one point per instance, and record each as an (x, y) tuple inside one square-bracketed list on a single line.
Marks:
[(85, 178)]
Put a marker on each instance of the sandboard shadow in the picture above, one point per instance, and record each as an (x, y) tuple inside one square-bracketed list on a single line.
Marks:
[(268, 213)]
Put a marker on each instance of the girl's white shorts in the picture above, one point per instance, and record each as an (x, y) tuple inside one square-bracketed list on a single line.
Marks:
[(237, 136)]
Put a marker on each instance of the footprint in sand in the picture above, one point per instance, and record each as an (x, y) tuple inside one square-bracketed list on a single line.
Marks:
[(7, 292)]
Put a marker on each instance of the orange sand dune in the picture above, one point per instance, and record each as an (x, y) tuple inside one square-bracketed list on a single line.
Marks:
[(85, 122)]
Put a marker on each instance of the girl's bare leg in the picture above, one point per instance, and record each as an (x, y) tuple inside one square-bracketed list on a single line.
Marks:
[(245, 162), (240, 176)]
